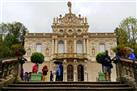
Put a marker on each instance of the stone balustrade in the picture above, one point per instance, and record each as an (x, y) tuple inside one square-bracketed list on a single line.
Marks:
[(127, 71), (8, 71), (70, 55)]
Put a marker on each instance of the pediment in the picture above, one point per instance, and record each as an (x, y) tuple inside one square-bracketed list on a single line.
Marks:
[(70, 19)]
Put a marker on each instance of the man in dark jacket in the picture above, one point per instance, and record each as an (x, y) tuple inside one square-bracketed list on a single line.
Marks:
[(107, 66)]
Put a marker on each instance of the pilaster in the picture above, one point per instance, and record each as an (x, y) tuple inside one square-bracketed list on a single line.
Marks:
[(75, 48), (56, 45), (75, 70), (64, 70), (65, 44), (85, 71), (84, 45)]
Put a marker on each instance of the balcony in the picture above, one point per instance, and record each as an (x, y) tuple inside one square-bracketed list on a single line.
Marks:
[(70, 55)]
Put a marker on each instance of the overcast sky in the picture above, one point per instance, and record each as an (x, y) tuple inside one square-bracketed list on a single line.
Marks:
[(37, 15)]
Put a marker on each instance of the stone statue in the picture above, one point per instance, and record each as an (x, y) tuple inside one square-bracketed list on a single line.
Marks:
[(69, 5)]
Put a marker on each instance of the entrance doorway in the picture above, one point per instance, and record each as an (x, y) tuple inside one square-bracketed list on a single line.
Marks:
[(70, 72), (59, 70), (80, 70)]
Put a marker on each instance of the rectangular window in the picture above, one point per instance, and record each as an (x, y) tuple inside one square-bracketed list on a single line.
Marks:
[(102, 48), (38, 48)]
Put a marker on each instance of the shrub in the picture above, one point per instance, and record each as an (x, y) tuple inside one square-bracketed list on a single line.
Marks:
[(100, 57), (37, 58)]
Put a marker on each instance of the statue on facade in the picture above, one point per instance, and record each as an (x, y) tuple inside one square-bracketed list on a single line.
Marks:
[(69, 5)]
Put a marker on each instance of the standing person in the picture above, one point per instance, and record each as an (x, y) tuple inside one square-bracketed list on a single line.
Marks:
[(34, 68), (29, 76), (44, 72), (51, 76), (26, 76), (58, 73), (107, 66)]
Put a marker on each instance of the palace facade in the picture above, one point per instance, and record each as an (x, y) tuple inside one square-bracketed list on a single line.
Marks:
[(71, 44)]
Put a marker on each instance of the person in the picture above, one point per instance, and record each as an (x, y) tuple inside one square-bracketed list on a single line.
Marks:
[(132, 56), (26, 76), (116, 59), (107, 66), (51, 76), (58, 72), (44, 72), (29, 76), (34, 69)]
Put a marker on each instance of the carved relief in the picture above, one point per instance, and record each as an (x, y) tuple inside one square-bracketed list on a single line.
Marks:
[(70, 46), (47, 52)]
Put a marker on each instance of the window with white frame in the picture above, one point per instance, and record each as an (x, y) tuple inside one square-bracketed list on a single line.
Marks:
[(79, 46), (61, 46), (38, 47), (102, 47)]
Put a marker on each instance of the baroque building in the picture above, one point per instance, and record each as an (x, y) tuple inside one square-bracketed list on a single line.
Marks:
[(72, 45)]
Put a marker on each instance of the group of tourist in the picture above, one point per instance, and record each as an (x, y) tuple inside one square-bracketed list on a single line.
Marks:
[(107, 63)]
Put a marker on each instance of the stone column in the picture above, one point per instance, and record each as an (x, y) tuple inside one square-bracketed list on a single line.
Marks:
[(64, 70), (54, 70), (84, 46), (56, 45), (65, 44), (87, 46), (75, 46), (85, 71), (75, 70), (53, 48)]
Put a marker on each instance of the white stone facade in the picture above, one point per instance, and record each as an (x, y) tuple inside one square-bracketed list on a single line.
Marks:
[(72, 44)]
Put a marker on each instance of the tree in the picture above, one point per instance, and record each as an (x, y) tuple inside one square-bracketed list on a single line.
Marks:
[(121, 37), (12, 45), (18, 50), (129, 25), (13, 38), (126, 34), (37, 58)]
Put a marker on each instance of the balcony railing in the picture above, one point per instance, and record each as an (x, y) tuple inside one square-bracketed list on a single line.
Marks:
[(70, 55)]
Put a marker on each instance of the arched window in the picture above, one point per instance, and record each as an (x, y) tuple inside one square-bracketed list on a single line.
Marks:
[(80, 70), (79, 46), (38, 47), (61, 46), (70, 72)]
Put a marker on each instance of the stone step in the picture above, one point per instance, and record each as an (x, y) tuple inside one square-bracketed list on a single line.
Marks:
[(66, 89), (80, 82), (68, 85)]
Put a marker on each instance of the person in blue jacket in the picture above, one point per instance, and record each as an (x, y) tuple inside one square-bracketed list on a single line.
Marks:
[(132, 56)]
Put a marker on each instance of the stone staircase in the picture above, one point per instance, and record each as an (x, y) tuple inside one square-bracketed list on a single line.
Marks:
[(67, 86)]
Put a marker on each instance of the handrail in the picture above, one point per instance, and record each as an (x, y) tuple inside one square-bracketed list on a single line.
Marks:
[(127, 71), (8, 67)]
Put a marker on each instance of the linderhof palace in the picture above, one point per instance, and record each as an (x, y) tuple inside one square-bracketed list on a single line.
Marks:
[(71, 44)]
